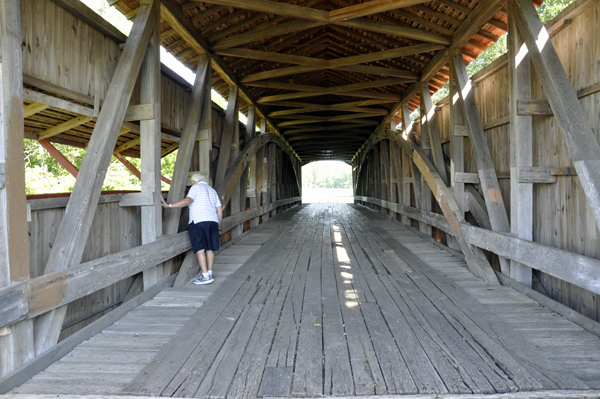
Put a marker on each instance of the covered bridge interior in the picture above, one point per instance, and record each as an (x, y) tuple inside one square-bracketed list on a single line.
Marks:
[(469, 263)]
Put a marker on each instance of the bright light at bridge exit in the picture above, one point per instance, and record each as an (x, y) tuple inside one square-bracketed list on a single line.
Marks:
[(327, 182)]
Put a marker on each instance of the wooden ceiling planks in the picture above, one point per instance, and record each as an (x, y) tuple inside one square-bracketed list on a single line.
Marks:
[(308, 63)]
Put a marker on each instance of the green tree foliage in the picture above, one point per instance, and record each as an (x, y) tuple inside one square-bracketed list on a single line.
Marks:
[(327, 174), (44, 175), (548, 10)]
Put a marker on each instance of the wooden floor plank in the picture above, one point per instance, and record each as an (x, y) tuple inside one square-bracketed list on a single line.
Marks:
[(332, 300), (543, 374), (222, 370), (251, 368), (155, 378), (338, 379), (368, 379), (308, 370)]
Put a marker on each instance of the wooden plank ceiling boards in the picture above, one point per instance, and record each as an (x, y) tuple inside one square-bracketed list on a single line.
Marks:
[(325, 73)]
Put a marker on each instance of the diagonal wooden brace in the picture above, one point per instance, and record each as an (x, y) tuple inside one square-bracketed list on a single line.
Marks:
[(75, 226), (570, 117)]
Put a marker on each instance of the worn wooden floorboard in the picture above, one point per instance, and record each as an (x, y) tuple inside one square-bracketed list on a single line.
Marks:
[(127, 347), (333, 300)]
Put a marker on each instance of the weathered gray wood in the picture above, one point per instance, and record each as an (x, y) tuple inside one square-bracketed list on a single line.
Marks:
[(156, 378), (226, 363), (481, 152), (227, 139), (186, 146), (529, 107), (251, 367), (276, 381), (548, 259), (476, 205), (431, 128), (572, 315), (136, 288), (25, 372), (189, 268), (74, 229), (61, 202), (393, 367), (431, 218), (529, 174), (366, 373), (501, 342), (237, 168), (338, 378), (16, 343), (14, 304), (57, 289), (150, 136), (425, 370), (459, 132), (308, 376), (205, 135), (475, 259), (572, 120), (583, 271), (462, 177), (138, 199)]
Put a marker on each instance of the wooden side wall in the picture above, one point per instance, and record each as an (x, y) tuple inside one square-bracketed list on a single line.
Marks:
[(562, 216), (114, 229), (61, 49)]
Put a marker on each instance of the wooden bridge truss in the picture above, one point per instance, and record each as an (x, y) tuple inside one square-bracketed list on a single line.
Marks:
[(322, 80)]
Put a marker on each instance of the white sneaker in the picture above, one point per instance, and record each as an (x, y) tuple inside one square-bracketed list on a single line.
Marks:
[(203, 280)]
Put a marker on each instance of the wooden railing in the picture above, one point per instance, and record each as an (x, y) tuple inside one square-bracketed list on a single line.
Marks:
[(581, 270), (28, 299)]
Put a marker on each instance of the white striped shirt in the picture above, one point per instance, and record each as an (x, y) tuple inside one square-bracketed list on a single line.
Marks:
[(206, 200)]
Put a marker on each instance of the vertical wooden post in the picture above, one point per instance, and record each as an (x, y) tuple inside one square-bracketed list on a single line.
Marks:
[(248, 136), (272, 170), (570, 117), (521, 144), (428, 115), (258, 172), (457, 145), (205, 137), (150, 149), (232, 122), (384, 163), (395, 175), (186, 146), (425, 192), (16, 341), (407, 126), (250, 125), (376, 164), (457, 160), (266, 180), (405, 180), (229, 128), (74, 229), (481, 152)]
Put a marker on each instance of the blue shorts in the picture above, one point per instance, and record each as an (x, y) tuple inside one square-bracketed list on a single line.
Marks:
[(204, 235)]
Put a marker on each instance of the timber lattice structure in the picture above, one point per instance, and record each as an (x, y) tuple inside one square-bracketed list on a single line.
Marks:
[(477, 275)]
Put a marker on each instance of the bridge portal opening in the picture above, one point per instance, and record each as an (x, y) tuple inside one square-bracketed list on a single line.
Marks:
[(327, 182)]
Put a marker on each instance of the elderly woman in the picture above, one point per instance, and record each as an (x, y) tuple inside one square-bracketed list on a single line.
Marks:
[(206, 213)]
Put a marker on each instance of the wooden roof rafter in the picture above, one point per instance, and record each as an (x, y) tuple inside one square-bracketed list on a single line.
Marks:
[(268, 46)]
